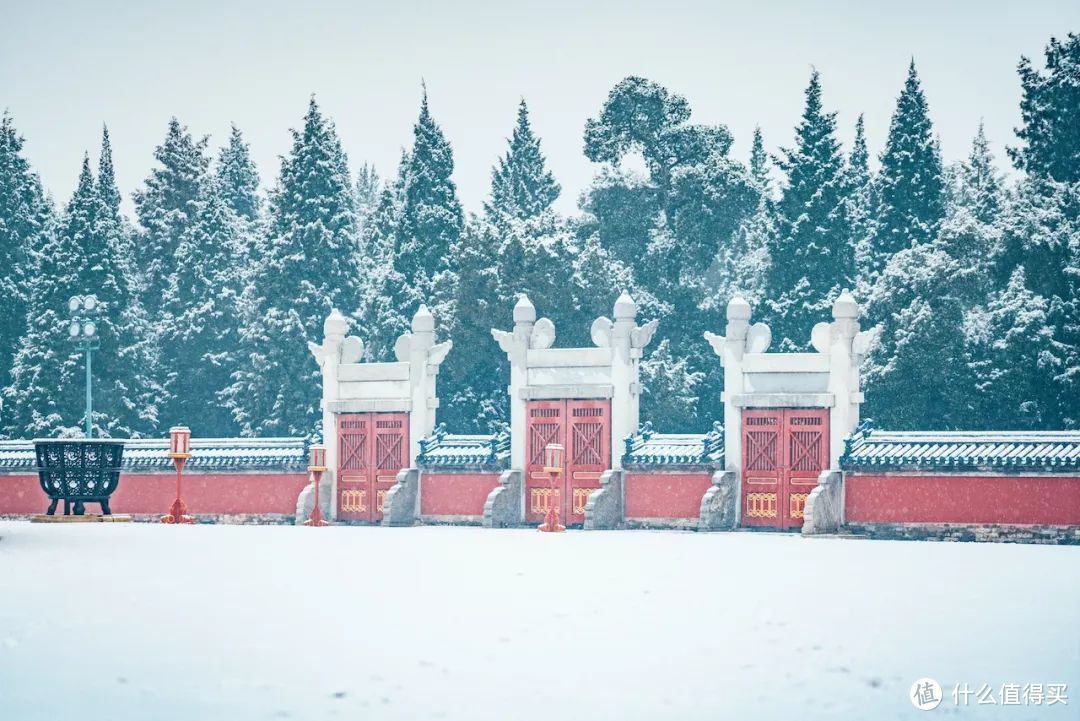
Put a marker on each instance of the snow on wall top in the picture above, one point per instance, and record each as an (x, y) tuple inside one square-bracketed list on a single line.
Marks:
[(869, 449), (447, 451), (207, 454), (646, 448)]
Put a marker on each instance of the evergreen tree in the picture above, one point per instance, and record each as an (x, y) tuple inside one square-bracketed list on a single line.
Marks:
[(910, 184), (238, 179), (1014, 346), (521, 186), (759, 163), (309, 266), (1050, 133), (368, 188), (25, 216), (166, 207), (131, 396), (47, 389), (812, 256), (431, 219), (860, 206), (980, 183), (920, 300), (200, 335)]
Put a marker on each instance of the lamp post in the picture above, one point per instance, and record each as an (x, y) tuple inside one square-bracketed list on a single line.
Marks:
[(179, 452), (82, 329), (316, 469), (553, 466)]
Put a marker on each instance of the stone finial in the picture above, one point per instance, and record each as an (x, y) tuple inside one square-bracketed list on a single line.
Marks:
[(738, 309), (423, 321), (845, 306), (335, 324), (625, 307), (524, 310)]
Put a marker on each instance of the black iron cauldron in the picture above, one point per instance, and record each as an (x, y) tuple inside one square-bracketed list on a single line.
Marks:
[(77, 470)]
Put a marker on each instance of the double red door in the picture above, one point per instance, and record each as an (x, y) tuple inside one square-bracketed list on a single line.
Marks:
[(583, 427), (784, 451), (372, 448)]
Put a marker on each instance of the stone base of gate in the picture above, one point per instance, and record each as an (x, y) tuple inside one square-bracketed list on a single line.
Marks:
[(720, 504), (399, 504), (604, 509), (305, 502), (505, 506), (825, 504)]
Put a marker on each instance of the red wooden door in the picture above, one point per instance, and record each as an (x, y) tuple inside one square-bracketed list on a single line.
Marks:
[(545, 423), (806, 432), (762, 445), (583, 427), (372, 448), (784, 451), (588, 454)]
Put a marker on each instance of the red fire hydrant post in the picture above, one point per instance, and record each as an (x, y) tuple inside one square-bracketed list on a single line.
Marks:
[(553, 466), (179, 452), (316, 469)]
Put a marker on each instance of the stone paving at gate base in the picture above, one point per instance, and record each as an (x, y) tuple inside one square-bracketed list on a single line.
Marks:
[(143, 621)]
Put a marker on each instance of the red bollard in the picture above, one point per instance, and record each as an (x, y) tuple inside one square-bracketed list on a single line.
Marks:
[(179, 452), (316, 468)]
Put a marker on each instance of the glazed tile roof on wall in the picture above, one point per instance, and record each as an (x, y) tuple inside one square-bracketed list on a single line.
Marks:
[(646, 448), (207, 454), (450, 451), (869, 448)]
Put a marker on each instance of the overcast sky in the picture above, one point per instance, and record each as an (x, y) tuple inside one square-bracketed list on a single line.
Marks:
[(66, 67)]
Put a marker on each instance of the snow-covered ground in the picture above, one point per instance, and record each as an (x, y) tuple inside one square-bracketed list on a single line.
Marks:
[(134, 621)]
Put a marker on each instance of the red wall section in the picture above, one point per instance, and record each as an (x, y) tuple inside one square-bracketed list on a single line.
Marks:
[(664, 495), (958, 498), (455, 494), (153, 493)]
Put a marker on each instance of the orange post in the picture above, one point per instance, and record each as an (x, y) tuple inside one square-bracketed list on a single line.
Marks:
[(316, 469), (179, 452), (553, 461)]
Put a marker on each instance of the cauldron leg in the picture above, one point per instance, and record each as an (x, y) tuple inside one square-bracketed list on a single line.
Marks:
[(80, 509), (67, 507), (105, 507), (52, 507)]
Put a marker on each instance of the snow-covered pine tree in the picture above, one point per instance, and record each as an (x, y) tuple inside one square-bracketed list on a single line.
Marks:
[(47, 391), (670, 389), (25, 216), (199, 337), (1049, 131), (910, 185), (521, 186), (131, 395), (431, 220), (309, 266), (238, 178), (166, 206), (811, 255), (1014, 359), (385, 298), (920, 299), (368, 190), (860, 205), (759, 163)]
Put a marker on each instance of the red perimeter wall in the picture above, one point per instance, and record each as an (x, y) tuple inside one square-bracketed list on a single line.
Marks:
[(455, 494), (957, 498), (153, 493), (664, 495)]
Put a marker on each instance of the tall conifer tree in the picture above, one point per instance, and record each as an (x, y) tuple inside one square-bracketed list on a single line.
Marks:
[(811, 255), (431, 219), (910, 187), (309, 266), (521, 186), (24, 219), (166, 207)]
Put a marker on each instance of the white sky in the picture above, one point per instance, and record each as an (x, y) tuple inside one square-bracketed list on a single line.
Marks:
[(67, 66)]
